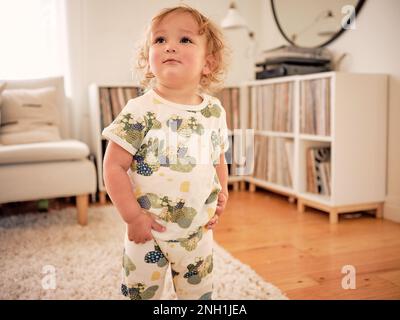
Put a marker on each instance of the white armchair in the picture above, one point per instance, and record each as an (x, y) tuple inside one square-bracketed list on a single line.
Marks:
[(44, 170)]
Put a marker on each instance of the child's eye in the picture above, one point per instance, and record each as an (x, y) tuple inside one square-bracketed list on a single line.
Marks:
[(186, 40), (159, 40)]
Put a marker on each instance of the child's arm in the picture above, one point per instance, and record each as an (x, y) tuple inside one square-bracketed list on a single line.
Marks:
[(119, 187), (222, 172)]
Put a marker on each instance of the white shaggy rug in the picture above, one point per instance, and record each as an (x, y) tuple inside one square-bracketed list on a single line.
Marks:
[(42, 250)]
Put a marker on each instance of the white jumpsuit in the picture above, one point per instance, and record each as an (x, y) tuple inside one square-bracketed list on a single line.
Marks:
[(174, 149)]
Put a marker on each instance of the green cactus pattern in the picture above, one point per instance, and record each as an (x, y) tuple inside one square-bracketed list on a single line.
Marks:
[(127, 264), (139, 291), (213, 196), (206, 296), (185, 127), (132, 129), (211, 110), (153, 154), (200, 269), (156, 256), (190, 243), (172, 211)]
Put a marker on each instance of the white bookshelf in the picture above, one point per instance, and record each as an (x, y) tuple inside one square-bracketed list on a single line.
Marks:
[(237, 182), (98, 143), (357, 118)]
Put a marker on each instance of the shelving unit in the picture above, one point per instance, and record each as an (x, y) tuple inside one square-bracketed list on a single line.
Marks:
[(344, 112), (106, 101), (272, 118), (103, 111), (353, 109), (231, 98)]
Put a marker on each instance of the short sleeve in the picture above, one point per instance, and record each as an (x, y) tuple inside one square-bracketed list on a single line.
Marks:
[(223, 131), (128, 129)]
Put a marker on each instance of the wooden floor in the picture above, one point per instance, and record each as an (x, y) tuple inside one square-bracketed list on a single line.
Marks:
[(303, 254)]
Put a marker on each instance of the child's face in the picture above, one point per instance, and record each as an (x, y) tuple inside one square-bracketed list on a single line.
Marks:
[(177, 55)]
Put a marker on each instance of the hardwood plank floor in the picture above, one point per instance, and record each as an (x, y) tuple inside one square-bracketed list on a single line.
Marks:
[(303, 254)]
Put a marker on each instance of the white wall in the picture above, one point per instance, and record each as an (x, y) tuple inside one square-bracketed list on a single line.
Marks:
[(113, 27), (103, 33), (373, 47)]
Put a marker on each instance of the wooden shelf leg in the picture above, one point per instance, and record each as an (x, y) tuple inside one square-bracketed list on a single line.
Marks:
[(242, 185), (300, 206), (379, 211), (102, 197), (236, 186), (82, 202), (333, 216), (291, 199), (252, 187)]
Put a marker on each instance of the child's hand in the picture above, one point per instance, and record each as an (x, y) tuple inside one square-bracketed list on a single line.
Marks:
[(139, 230), (213, 222), (222, 200)]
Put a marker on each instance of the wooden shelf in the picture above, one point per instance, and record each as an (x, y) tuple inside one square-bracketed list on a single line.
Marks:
[(274, 134), (318, 198), (311, 137), (271, 186)]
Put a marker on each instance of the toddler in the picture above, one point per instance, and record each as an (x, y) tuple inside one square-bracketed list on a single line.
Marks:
[(164, 167)]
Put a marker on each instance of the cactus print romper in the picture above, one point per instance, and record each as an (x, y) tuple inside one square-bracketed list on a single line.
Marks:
[(174, 149)]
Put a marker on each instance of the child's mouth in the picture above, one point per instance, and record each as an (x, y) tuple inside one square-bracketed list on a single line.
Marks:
[(171, 61)]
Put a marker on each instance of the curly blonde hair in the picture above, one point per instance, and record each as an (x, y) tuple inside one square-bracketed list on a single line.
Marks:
[(216, 46)]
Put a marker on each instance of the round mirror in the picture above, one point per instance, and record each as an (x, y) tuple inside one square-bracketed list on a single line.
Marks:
[(314, 23)]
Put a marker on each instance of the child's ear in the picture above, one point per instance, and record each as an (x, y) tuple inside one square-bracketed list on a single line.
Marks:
[(209, 64)]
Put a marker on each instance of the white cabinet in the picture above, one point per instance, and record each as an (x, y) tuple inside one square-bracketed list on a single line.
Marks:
[(106, 101), (322, 139)]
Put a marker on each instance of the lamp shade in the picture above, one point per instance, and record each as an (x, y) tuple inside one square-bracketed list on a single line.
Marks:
[(233, 19)]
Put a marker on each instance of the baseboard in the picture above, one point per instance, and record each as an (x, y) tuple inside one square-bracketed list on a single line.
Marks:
[(391, 209)]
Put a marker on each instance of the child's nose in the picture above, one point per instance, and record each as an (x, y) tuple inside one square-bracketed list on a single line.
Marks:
[(170, 48)]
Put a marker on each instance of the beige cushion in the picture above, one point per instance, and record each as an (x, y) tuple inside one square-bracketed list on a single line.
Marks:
[(28, 133), (64, 150), (2, 87), (46, 180), (29, 115)]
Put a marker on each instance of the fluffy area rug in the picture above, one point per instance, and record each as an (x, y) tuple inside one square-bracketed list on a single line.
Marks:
[(49, 256)]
